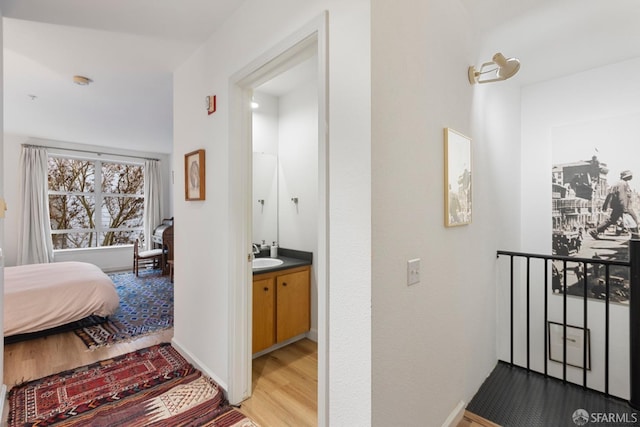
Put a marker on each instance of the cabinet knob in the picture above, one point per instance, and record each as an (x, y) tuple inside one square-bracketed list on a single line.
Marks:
[(266, 289), (284, 283)]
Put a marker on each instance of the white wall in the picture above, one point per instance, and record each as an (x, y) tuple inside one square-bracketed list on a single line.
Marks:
[(108, 259), (265, 168), (2, 224), (298, 165), (202, 258), (609, 92), (434, 342)]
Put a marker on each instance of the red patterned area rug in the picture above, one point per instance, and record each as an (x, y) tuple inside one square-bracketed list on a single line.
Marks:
[(154, 386)]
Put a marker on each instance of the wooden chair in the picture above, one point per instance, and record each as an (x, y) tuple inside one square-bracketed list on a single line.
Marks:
[(153, 256)]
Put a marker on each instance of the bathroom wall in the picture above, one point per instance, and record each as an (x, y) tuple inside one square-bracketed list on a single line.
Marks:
[(290, 124), (265, 168), (298, 165)]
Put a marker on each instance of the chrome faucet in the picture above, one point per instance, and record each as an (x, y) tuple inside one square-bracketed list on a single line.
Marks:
[(256, 249)]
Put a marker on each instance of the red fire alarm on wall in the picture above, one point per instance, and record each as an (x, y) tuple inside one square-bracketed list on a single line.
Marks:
[(211, 104)]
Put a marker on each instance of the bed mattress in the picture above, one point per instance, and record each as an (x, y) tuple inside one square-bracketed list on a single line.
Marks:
[(43, 296)]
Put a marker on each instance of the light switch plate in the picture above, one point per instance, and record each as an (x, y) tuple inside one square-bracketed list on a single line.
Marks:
[(413, 271)]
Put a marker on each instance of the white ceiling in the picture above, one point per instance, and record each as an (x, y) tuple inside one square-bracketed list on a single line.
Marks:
[(553, 38), (129, 48)]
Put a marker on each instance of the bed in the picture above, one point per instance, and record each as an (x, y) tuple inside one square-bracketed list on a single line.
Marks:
[(38, 297)]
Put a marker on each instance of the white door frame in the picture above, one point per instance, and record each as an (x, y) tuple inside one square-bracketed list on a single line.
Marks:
[(286, 54)]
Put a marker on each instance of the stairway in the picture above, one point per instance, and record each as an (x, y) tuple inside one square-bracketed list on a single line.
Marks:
[(511, 396)]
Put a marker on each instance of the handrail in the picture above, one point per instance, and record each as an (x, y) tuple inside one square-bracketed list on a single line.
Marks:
[(566, 258), (634, 305)]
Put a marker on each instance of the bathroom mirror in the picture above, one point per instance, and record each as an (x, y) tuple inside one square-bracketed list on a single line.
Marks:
[(265, 197), (285, 157)]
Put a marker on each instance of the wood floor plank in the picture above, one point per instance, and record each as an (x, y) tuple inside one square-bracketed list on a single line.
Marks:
[(285, 387), (39, 357), (472, 420)]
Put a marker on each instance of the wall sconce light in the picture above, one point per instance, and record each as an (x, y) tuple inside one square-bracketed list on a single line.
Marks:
[(499, 68), (82, 80)]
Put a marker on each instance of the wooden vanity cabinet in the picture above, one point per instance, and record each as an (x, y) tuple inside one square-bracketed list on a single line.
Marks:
[(264, 309), (281, 306)]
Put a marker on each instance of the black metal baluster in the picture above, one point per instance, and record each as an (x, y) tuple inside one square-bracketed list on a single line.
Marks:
[(564, 323), (584, 332), (634, 323), (546, 312), (528, 312), (511, 311), (606, 330)]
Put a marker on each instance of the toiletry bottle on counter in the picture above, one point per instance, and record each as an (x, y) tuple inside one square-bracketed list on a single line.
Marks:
[(274, 250)]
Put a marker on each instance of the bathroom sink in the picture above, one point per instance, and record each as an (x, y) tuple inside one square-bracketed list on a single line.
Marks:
[(266, 262)]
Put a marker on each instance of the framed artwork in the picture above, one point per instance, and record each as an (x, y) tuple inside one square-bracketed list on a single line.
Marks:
[(194, 182), (457, 178), (592, 162), (575, 345)]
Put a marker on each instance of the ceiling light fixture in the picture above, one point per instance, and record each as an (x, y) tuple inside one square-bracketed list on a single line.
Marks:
[(82, 80), (500, 68)]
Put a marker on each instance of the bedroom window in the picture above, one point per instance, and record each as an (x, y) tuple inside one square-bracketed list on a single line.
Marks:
[(95, 203)]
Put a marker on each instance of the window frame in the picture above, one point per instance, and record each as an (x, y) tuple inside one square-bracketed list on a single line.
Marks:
[(98, 159)]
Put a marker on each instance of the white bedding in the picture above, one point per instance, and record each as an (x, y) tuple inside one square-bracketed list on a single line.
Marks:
[(42, 296)]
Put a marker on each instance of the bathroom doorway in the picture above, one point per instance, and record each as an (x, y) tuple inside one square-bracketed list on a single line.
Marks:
[(271, 78)]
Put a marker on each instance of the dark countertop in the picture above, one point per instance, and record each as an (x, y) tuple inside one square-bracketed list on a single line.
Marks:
[(291, 258)]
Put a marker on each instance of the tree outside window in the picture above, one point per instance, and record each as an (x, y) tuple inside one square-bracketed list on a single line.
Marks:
[(85, 215)]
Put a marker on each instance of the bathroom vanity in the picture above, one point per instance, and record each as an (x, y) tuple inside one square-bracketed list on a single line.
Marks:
[(281, 302)]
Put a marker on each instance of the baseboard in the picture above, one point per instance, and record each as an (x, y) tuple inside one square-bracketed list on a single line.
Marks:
[(279, 345), (198, 364), (456, 416), (122, 269), (313, 335)]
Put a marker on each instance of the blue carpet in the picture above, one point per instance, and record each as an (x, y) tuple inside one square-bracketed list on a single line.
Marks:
[(146, 306)]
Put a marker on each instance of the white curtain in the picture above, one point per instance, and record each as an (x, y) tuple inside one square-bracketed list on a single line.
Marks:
[(152, 199), (34, 236)]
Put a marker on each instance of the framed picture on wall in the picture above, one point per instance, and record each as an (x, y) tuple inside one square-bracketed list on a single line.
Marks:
[(575, 339), (457, 178), (194, 177)]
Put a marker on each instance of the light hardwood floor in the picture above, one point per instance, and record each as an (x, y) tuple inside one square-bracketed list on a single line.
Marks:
[(284, 381), (472, 420), (37, 358), (285, 387)]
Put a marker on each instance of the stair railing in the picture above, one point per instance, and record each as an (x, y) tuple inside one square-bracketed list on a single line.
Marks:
[(634, 312)]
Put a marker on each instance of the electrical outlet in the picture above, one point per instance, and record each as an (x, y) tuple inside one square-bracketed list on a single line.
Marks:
[(413, 271)]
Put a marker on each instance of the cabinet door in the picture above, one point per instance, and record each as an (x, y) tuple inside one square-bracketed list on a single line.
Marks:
[(264, 299), (293, 300)]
